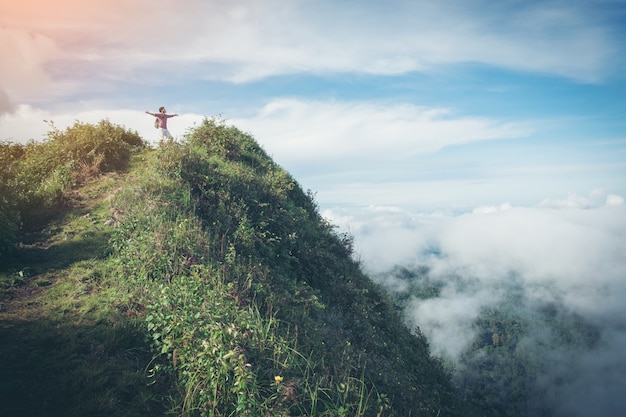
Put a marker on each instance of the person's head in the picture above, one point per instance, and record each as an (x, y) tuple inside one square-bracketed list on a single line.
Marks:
[(161, 109)]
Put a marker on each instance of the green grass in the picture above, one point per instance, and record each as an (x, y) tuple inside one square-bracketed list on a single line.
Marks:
[(71, 342), (200, 280)]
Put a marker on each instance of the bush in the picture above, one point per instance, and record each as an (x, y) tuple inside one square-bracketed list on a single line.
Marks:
[(41, 173), (9, 225), (104, 146), (9, 213)]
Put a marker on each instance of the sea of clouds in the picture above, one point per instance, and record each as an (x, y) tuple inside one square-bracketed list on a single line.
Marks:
[(569, 251)]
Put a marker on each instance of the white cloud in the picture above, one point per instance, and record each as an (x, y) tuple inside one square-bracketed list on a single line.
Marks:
[(24, 123), (575, 249), (24, 54), (571, 254), (572, 201), (575, 254), (447, 320), (386, 236), (614, 200), (74, 45), (492, 209), (301, 131), (576, 201)]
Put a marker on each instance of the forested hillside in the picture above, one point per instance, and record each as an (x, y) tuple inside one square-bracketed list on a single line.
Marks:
[(521, 349), (195, 279)]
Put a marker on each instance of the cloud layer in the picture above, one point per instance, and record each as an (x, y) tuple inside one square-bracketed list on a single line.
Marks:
[(567, 252), (59, 50)]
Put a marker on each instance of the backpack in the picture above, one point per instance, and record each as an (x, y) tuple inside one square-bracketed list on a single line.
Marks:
[(156, 122)]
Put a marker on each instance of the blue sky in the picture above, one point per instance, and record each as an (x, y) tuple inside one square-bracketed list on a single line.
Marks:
[(441, 105)]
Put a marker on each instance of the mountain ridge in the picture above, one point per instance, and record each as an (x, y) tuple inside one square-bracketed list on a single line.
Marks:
[(220, 275)]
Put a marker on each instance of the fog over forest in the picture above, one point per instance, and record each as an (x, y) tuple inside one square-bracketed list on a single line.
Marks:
[(556, 271)]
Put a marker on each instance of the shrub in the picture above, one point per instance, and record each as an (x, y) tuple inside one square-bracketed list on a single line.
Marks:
[(9, 213), (41, 173), (105, 146), (9, 225)]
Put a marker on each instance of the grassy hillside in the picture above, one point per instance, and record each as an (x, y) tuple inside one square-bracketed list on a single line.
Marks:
[(194, 279)]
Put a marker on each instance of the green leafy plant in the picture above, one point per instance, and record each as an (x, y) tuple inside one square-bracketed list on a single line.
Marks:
[(37, 175)]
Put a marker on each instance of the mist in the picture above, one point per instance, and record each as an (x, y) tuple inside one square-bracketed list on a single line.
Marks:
[(556, 272)]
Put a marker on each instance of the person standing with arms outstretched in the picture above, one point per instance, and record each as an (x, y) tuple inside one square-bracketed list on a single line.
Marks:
[(161, 124)]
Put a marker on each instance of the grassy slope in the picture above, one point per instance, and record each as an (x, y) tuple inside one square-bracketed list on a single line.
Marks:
[(252, 302), (69, 341)]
